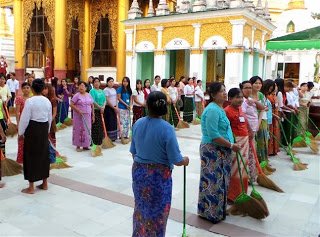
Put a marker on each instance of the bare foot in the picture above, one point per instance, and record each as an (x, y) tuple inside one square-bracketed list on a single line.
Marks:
[(43, 187), (2, 185), (27, 191)]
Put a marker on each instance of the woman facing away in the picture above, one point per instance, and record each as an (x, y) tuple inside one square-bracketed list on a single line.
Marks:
[(138, 102), (3, 140), (111, 110), (20, 101), (216, 146), (82, 105), (34, 127), (164, 90), (155, 151)]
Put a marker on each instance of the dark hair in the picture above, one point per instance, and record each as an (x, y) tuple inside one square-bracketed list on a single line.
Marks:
[(94, 79), (2, 76), (171, 80), (138, 82), (126, 89), (145, 82), (289, 84), (84, 83), (54, 82), (157, 77), (243, 83), (164, 83), (267, 84), (13, 73), (181, 78), (254, 79), (190, 78), (280, 84), (109, 79), (25, 84), (157, 103), (233, 92), (51, 93), (37, 86), (213, 89), (303, 84), (310, 85), (198, 81)]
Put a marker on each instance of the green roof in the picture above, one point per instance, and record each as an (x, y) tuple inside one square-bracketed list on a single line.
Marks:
[(307, 39)]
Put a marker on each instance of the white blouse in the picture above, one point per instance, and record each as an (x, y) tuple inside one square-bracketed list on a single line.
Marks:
[(140, 97), (36, 108), (111, 95), (188, 90), (173, 93)]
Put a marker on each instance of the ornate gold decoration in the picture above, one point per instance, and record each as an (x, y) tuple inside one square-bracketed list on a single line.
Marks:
[(257, 25), (258, 36), (184, 32), (195, 51), (224, 29), (28, 7), (74, 11), (4, 3), (159, 52), (147, 35), (247, 32), (180, 65), (235, 50), (102, 8)]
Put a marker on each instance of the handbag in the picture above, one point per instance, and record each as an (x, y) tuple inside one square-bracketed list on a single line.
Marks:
[(179, 103)]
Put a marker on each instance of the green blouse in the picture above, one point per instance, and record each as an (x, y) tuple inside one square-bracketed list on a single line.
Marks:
[(98, 96)]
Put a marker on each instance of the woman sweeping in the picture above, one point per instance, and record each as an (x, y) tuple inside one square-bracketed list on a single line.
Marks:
[(138, 102), (174, 96), (164, 90), (111, 110), (216, 146), (188, 101), (99, 101), (241, 131), (82, 104), (63, 95), (155, 151), (34, 126), (20, 101)]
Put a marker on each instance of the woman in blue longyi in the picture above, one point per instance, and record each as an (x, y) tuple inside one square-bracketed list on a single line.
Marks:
[(155, 151), (215, 151)]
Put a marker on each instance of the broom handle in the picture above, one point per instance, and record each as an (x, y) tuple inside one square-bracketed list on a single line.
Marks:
[(255, 157), (7, 113), (184, 200), (239, 170), (104, 125), (246, 169), (177, 113), (283, 133), (86, 125), (60, 112)]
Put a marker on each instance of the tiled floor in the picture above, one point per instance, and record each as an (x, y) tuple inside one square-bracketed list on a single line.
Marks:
[(64, 210)]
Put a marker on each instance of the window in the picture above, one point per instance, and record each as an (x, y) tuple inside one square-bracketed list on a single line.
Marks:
[(38, 37), (103, 54), (74, 39), (290, 27)]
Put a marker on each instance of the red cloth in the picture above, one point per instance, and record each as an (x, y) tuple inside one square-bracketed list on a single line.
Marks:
[(239, 128), (3, 68)]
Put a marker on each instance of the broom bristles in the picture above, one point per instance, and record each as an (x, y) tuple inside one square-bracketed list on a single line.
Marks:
[(12, 129), (252, 208), (67, 122), (258, 197), (264, 181), (10, 167), (107, 143), (96, 151), (299, 166), (317, 138), (60, 165), (125, 141), (183, 124), (299, 144), (314, 146), (266, 171)]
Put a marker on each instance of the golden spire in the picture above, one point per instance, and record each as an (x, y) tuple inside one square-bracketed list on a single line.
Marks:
[(296, 4), (4, 26)]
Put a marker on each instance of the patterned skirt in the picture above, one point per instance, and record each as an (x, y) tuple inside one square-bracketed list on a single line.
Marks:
[(274, 129), (97, 128), (138, 112), (262, 141), (235, 185), (214, 181), (110, 119), (20, 151), (124, 122), (303, 119), (188, 109), (152, 188)]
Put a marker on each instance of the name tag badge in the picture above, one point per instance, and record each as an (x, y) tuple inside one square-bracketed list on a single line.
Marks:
[(242, 120)]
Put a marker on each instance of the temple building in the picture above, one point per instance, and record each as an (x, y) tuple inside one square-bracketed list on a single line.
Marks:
[(210, 40)]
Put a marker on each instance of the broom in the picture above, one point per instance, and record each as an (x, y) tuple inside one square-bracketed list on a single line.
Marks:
[(184, 232), (60, 125), (9, 167), (67, 121), (106, 142), (317, 137), (12, 128), (262, 179), (246, 204), (56, 162), (300, 141), (95, 150), (254, 193), (181, 123)]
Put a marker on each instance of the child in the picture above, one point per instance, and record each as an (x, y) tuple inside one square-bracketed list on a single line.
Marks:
[(199, 98), (138, 102)]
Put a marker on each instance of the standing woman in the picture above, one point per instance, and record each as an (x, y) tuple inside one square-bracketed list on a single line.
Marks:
[(182, 84), (138, 102), (111, 110), (82, 105), (20, 101), (99, 101), (188, 101), (155, 151), (63, 98), (304, 101), (262, 134), (124, 97), (164, 90), (146, 92), (75, 86), (3, 140), (90, 83), (174, 96), (216, 146), (34, 126)]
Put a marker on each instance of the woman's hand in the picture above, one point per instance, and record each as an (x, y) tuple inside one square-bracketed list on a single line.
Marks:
[(184, 162), (93, 118), (101, 109), (235, 147)]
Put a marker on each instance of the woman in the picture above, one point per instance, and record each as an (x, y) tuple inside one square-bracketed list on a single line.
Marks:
[(304, 101), (124, 97), (215, 151), (82, 105), (182, 84), (63, 98), (34, 126), (3, 140), (240, 129), (250, 108), (174, 96), (75, 86), (138, 102), (99, 101), (262, 133), (20, 101), (164, 90), (90, 83), (155, 150), (188, 101), (111, 110), (146, 89)]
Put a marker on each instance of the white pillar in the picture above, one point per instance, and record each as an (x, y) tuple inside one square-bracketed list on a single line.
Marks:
[(261, 68), (129, 39), (252, 36), (237, 32), (159, 29), (263, 40), (159, 63), (196, 37), (196, 67), (234, 68), (250, 65)]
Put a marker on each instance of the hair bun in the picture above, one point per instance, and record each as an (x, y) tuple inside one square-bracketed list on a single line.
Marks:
[(160, 102)]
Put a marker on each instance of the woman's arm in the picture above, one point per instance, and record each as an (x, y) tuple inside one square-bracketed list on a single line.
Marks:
[(121, 101), (54, 111), (25, 118), (75, 108)]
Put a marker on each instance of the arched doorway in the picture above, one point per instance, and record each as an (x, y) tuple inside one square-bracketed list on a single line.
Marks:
[(39, 44), (73, 54)]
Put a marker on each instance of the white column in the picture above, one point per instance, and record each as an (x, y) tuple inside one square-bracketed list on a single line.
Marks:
[(263, 41), (196, 37), (233, 69), (196, 66), (250, 65), (260, 73), (129, 38), (159, 64), (129, 55), (211, 4), (237, 32), (252, 36), (159, 29), (129, 61)]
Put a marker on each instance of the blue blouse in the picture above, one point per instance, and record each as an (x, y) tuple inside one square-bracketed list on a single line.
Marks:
[(215, 124), (154, 142), (269, 112), (125, 97)]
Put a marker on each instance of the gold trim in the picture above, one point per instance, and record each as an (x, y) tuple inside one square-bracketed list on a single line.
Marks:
[(184, 32), (195, 51), (159, 52), (235, 50), (150, 35), (74, 11), (223, 29)]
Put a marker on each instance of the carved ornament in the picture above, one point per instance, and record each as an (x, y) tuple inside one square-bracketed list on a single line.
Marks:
[(147, 35), (183, 32), (75, 10), (223, 29)]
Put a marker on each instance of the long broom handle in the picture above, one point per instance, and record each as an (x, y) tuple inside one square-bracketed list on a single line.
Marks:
[(240, 173), (177, 113), (184, 234), (7, 113), (104, 125), (246, 169), (86, 125), (255, 157)]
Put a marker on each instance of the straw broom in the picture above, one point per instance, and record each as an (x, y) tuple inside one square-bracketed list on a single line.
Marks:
[(95, 149), (12, 128), (181, 123), (9, 167), (317, 137), (59, 162), (106, 142), (262, 179)]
